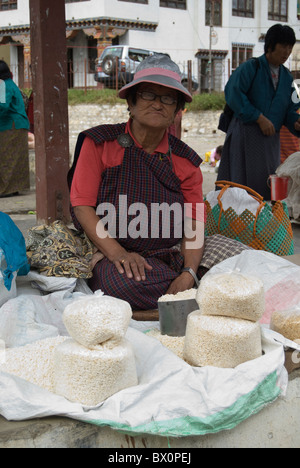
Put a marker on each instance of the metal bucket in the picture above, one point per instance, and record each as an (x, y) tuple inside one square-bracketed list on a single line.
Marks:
[(173, 316)]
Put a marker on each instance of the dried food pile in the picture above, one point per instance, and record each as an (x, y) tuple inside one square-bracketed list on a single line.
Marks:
[(96, 362), (225, 331), (287, 323)]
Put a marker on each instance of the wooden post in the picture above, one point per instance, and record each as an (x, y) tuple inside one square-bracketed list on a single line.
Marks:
[(50, 94)]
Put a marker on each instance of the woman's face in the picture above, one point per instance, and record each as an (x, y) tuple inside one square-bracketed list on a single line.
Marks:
[(155, 114), (280, 54)]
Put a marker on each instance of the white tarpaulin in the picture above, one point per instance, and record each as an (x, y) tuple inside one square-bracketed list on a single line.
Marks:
[(172, 398)]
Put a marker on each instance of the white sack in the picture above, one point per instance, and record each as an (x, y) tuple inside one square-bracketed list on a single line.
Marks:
[(6, 295), (172, 398), (236, 198), (291, 168)]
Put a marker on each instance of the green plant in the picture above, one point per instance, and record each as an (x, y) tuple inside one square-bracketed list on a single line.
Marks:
[(93, 96), (204, 102), (201, 102)]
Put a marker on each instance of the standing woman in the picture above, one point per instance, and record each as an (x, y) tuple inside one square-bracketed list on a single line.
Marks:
[(261, 95), (14, 126)]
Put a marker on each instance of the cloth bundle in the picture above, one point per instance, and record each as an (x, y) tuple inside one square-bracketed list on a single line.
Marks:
[(56, 250), (13, 259)]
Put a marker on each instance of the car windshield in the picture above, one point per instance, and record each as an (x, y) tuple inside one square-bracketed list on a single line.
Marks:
[(138, 55), (116, 51)]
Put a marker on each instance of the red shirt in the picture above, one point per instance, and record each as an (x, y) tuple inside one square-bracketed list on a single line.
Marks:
[(95, 159)]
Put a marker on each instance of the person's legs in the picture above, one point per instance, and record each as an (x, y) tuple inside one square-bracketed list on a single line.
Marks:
[(140, 295)]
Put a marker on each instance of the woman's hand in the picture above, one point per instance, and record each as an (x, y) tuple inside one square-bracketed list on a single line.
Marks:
[(133, 264), (266, 125), (297, 125), (181, 283)]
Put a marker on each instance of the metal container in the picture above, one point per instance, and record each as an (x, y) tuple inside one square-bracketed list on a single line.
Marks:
[(173, 316)]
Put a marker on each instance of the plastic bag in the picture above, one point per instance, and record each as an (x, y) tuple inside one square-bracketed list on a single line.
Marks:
[(232, 294), (5, 294), (94, 319), (280, 277), (287, 323)]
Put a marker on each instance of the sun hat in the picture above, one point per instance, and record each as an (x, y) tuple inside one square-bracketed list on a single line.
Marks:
[(158, 69)]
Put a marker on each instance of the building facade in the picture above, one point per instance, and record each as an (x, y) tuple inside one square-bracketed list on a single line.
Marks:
[(215, 35)]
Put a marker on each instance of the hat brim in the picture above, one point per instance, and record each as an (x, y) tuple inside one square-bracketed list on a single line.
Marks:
[(160, 80)]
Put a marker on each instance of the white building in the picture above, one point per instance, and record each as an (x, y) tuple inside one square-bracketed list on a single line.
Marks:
[(229, 31)]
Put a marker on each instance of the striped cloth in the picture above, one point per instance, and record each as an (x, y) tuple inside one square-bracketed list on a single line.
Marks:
[(142, 178), (289, 144)]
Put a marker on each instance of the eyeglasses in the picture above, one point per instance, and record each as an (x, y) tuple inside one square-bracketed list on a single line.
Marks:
[(149, 96)]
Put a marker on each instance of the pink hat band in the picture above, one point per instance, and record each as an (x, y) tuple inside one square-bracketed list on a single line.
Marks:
[(157, 71)]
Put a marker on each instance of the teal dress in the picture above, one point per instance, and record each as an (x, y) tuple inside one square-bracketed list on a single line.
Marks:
[(14, 154), (249, 157), (12, 108)]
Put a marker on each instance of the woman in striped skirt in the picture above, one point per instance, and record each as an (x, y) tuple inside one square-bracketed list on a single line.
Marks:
[(136, 191)]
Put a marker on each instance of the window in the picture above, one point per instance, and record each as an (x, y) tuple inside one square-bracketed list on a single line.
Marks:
[(243, 8), (278, 10), (135, 1), (214, 8), (240, 54), (180, 4), (8, 5)]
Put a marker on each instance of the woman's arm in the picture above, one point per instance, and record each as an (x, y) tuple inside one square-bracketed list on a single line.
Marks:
[(133, 264), (192, 249)]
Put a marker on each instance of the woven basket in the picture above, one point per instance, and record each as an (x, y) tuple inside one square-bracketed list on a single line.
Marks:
[(270, 229)]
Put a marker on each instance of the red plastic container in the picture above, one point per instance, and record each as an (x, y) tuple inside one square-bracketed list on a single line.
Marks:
[(279, 187)]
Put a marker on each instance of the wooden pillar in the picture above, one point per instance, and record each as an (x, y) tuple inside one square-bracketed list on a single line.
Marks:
[(50, 94)]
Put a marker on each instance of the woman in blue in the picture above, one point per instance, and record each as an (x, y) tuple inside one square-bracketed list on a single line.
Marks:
[(14, 126), (261, 94)]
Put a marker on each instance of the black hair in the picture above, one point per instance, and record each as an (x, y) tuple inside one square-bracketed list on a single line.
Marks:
[(5, 72), (279, 34)]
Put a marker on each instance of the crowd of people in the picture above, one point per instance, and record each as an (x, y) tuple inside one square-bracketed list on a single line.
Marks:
[(135, 166)]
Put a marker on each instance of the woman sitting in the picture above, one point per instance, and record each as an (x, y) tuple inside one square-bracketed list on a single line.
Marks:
[(136, 191)]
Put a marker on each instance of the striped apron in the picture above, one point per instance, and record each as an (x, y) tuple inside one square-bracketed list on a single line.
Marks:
[(146, 179)]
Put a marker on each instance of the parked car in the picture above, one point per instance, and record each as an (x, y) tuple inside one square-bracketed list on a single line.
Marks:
[(121, 62)]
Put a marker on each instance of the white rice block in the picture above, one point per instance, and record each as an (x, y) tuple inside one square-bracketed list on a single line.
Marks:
[(33, 362), (96, 319), (173, 343), (89, 376), (287, 323), (220, 341), (180, 296), (232, 295)]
